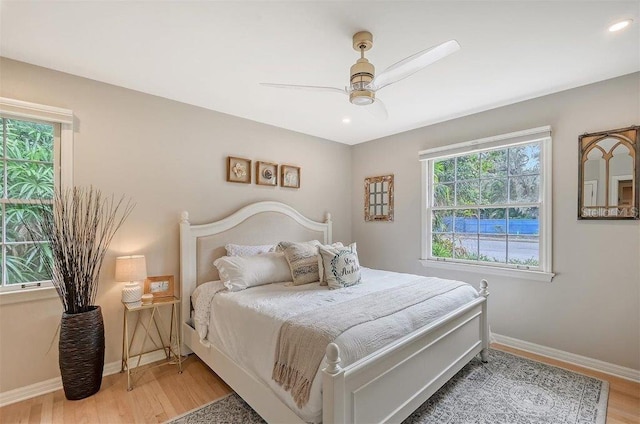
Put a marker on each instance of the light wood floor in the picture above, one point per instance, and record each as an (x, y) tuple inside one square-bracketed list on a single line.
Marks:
[(162, 393)]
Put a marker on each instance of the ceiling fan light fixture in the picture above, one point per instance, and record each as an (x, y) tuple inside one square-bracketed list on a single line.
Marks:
[(362, 97)]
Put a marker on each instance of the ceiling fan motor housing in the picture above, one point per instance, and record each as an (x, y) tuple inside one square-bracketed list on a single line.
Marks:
[(362, 73)]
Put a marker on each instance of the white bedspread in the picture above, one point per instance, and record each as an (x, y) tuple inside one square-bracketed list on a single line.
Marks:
[(245, 324)]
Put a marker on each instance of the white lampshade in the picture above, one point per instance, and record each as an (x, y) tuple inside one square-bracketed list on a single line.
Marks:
[(131, 269)]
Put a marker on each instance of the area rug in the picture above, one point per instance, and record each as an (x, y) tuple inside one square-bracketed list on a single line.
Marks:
[(507, 390)]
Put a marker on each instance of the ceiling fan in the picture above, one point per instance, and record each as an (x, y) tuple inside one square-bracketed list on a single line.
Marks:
[(364, 83)]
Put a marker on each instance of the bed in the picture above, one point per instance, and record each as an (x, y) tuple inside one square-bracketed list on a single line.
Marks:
[(385, 385)]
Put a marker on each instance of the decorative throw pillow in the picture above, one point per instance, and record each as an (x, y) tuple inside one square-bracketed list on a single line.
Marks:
[(245, 250), (323, 277), (241, 272), (302, 259), (283, 244), (341, 266)]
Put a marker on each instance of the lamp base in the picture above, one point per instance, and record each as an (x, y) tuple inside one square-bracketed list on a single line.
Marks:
[(132, 292)]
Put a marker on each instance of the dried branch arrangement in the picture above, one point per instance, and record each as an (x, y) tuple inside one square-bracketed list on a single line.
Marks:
[(78, 227)]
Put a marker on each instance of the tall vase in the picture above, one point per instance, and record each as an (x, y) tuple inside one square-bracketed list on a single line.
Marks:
[(81, 353)]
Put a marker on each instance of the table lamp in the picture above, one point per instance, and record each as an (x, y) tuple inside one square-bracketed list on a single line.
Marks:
[(131, 269)]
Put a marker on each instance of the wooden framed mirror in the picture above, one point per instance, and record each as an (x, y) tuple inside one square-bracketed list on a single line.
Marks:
[(378, 198), (608, 174)]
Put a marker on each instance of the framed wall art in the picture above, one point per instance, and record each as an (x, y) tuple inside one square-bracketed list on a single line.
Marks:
[(161, 286), (290, 176), (238, 170), (378, 198), (266, 173)]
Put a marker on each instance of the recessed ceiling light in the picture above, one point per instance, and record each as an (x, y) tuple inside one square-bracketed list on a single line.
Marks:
[(620, 25), (346, 120)]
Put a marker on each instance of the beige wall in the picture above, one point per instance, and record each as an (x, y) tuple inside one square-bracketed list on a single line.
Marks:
[(168, 157), (592, 307)]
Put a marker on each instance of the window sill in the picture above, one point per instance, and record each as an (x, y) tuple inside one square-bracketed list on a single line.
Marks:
[(546, 277), (27, 295)]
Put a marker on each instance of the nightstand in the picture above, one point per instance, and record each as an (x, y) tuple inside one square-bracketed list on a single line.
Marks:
[(144, 325)]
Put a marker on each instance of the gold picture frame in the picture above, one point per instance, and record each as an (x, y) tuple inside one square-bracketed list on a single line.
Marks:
[(378, 198), (238, 170), (290, 176), (266, 173), (160, 286)]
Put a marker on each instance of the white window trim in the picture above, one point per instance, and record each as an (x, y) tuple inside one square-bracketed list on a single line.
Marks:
[(64, 118), (541, 134)]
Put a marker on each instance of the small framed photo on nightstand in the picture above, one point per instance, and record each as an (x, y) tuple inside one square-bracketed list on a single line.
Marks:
[(161, 286)]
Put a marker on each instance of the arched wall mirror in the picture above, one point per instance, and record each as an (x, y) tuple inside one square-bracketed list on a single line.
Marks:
[(608, 175)]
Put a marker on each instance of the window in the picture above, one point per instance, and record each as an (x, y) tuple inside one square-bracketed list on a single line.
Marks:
[(31, 158), (488, 203)]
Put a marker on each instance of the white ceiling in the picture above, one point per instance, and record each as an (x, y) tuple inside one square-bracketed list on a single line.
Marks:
[(214, 54)]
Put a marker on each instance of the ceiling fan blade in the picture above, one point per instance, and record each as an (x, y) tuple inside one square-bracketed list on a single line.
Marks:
[(378, 110), (413, 64), (304, 87)]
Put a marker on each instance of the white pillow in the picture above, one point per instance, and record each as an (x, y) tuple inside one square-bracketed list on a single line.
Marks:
[(341, 265), (241, 272), (242, 250), (323, 278)]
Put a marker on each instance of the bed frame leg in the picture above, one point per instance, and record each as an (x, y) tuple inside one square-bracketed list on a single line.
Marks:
[(333, 410), (484, 323), (484, 355)]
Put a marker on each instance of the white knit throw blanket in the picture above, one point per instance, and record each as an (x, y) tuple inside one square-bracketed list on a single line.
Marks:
[(303, 338)]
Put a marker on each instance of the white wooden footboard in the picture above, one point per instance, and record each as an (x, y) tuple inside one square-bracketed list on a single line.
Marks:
[(389, 384)]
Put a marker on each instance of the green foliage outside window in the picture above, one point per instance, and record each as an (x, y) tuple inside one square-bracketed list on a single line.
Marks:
[(481, 187), (27, 174)]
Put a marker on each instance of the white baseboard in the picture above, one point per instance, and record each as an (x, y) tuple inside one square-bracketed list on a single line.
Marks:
[(572, 358), (53, 384)]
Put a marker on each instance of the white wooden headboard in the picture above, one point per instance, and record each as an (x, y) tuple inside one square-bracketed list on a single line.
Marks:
[(255, 224)]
